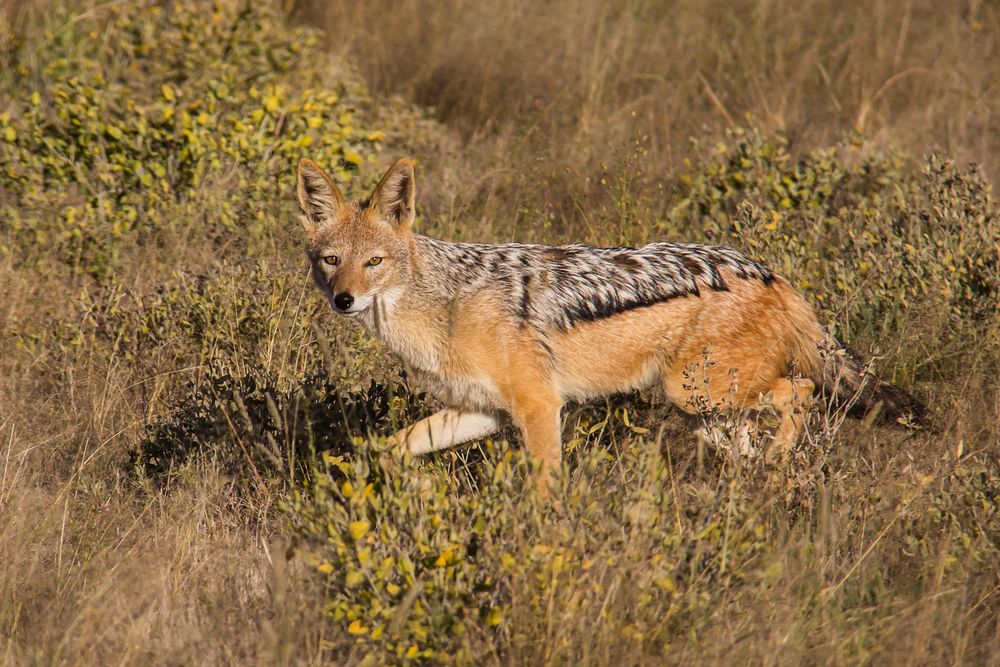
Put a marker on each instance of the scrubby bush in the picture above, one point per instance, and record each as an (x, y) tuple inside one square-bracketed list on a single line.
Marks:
[(457, 568), (257, 427), (167, 119), (637, 551), (147, 158)]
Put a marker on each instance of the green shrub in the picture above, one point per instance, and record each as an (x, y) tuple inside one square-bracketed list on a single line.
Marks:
[(421, 565), (147, 162), (167, 118), (965, 508)]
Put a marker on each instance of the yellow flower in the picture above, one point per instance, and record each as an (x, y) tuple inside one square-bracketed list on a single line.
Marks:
[(773, 224), (358, 529), (447, 557)]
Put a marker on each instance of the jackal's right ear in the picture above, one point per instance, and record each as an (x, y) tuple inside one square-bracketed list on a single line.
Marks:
[(319, 198)]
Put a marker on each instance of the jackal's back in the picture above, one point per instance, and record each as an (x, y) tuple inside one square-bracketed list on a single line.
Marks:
[(555, 287)]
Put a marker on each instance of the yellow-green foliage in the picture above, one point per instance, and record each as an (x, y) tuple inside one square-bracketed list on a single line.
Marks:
[(180, 117), (458, 565), (421, 565)]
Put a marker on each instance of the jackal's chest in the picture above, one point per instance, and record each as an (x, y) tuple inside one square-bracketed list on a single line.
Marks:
[(415, 345), (439, 368), (471, 393)]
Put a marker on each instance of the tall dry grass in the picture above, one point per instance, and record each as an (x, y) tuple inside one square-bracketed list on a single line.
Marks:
[(554, 121), (546, 93)]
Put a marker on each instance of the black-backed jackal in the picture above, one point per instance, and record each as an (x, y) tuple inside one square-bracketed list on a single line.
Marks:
[(518, 330)]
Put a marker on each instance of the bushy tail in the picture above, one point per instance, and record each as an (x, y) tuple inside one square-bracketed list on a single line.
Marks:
[(850, 383), (840, 376)]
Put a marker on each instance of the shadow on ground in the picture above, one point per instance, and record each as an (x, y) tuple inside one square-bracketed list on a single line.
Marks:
[(249, 425)]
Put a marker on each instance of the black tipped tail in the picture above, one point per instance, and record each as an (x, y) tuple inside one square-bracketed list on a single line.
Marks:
[(900, 405), (851, 384)]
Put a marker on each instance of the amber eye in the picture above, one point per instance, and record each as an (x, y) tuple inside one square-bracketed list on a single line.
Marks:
[(374, 261), (331, 260)]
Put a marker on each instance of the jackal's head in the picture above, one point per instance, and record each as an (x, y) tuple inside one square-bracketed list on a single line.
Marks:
[(360, 251)]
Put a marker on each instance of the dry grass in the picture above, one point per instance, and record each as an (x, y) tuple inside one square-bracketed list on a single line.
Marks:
[(545, 94), (555, 121)]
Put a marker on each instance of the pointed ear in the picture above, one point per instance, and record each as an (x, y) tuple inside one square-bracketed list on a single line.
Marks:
[(319, 198), (394, 195)]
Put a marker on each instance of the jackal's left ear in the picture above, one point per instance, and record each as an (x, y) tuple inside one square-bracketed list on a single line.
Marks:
[(319, 197), (394, 194)]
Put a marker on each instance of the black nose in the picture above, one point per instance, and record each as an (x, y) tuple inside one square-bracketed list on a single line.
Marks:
[(343, 300)]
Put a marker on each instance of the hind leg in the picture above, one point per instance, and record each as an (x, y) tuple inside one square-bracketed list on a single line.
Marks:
[(743, 439), (701, 391), (791, 399)]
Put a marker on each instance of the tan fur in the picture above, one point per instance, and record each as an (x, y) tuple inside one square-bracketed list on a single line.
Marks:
[(673, 341), (759, 339)]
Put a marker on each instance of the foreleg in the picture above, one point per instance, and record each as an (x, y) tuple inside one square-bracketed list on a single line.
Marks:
[(443, 429)]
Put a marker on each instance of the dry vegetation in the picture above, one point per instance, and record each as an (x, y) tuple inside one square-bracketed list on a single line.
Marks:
[(184, 470), (553, 91)]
